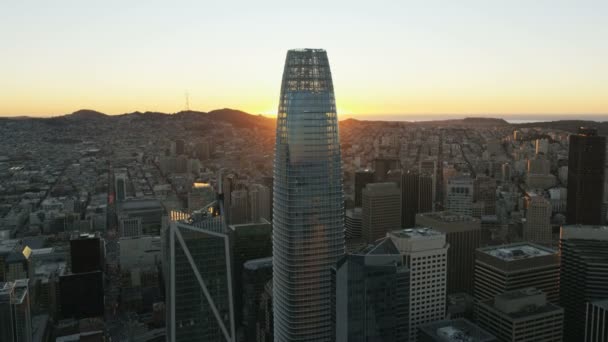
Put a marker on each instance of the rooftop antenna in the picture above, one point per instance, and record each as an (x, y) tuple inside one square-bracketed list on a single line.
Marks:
[(187, 101)]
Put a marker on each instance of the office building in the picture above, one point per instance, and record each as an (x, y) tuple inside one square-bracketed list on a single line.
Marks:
[(596, 321), (259, 200), (382, 166), (362, 178), (499, 269), (149, 211), (81, 295), (381, 211), (130, 227), (120, 184), (308, 218), (15, 312), (537, 227), (485, 192), (239, 207), (584, 274), (353, 222), (15, 259), (429, 169), (455, 330), (256, 274), (424, 251), (372, 295), (247, 242), (139, 252), (463, 234), (522, 315), (586, 168), (199, 280), (459, 195), (265, 324), (87, 253), (416, 196), (200, 195)]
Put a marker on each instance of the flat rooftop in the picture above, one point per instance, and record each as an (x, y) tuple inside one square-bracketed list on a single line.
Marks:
[(517, 251), (255, 264), (447, 216), (457, 330), (416, 233)]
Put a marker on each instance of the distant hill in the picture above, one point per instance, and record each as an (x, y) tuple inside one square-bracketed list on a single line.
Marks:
[(86, 114)]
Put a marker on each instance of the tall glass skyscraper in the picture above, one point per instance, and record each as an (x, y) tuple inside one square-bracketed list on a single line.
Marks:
[(308, 221)]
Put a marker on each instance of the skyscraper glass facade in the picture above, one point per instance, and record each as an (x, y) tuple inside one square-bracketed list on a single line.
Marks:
[(308, 232)]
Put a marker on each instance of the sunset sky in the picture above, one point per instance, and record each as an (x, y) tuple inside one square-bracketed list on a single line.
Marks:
[(388, 58)]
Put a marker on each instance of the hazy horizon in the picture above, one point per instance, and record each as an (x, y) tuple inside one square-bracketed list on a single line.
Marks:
[(392, 57)]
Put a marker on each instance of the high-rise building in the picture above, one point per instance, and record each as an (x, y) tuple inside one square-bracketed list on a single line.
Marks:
[(459, 195), (372, 295), (259, 200), (120, 185), (353, 221), (200, 195), (499, 269), (429, 168), (239, 207), (256, 274), (424, 251), (455, 330), (130, 227), (308, 218), (180, 147), (247, 242), (416, 196), (485, 192), (522, 315), (596, 321), (15, 312), (199, 281), (381, 211), (382, 166), (87, 253), (537, 227), (150, 211), (81, 295), (584, 274), (586, 163), (15, 259), (362, 178), (463, 233)]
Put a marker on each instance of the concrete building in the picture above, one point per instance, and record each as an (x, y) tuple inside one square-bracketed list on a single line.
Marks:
[(381, 210), (130, 227), (584, 274), (456, 330), (537, 227), (459, 195), (499, 269), (522, 315), (596, 321), (150, 212), (260, 202), (484, 188), (463, 234), (239, 207), (425, 253), (139, 252)]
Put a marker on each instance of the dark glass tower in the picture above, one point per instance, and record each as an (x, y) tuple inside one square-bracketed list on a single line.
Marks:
[(308, 212), (586, 162)]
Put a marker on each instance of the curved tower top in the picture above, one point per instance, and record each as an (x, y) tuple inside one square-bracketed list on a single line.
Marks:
[(308, 221)]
